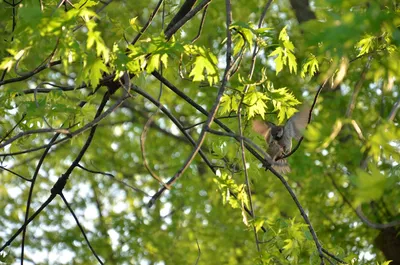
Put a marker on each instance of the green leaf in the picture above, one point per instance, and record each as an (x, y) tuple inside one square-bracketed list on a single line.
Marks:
[(258, 223), (164, 60), (284, 102), (95, 71), (370, 186), (94, 38), (311, 66), (256, 103), (153, 63), (226, 104), (198, 70), (289, 246), (7, 63), (366, 44), (246, 33), (205, 64), (279, 61), (292, 62), (284, 54), (238, 45)]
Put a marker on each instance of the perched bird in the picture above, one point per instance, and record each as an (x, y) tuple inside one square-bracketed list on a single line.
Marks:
[(279, 137)]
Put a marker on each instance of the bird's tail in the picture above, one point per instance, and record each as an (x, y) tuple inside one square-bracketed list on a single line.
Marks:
[(281, 166)]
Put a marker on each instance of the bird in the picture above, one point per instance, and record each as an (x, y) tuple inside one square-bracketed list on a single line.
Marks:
[(279, 137)]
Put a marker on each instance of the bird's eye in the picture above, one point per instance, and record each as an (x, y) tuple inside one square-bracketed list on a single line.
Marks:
[(279, 133)]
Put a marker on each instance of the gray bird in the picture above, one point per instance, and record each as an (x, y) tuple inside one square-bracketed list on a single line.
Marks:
[(279, 137)]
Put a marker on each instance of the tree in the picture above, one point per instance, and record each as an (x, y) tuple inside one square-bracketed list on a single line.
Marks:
[(126, 132)]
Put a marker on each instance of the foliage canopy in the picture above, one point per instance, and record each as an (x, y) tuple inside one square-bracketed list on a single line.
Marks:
[(126, 132)]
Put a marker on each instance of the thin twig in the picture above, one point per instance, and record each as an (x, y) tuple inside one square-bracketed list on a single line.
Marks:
[(37, 132), (30, 74), (198, 107), (203, 19), (81, 105), (81, 228), (357, 89), (13, 128), (326, 258), (374, 225), (30, 195), (16, 174), (148, 123), (333, 256), (247, 178), (38, 107), (30, 219), (175, 121), (198, 251), (143, 136), (144, 115), (255, 50), (145, 27), (202, 122), (47, 59), (114, 178), (98, 11), (394, 110), (48, 90), (189, 15), (103, 227), (358, 211), (87, 126)]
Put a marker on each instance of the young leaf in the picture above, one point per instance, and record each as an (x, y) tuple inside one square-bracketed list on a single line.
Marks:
[(311, 66), (95, 71)]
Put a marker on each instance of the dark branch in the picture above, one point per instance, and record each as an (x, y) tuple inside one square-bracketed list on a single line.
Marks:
[(185, 8), (81, 229)]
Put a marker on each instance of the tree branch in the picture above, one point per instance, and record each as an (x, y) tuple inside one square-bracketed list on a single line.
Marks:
[(212, 113), (171, 31), (81, 229)]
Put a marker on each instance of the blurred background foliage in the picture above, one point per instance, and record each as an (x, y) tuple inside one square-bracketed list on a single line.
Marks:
[(345, 174)]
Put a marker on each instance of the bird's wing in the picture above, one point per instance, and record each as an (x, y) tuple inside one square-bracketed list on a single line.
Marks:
[(296, 125), (262, 128)]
